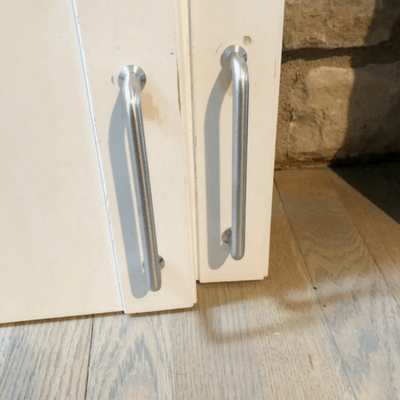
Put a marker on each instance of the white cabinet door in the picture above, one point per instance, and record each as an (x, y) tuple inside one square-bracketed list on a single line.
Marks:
[(55, 250), (256, 26), (70, 241), (143, 33)]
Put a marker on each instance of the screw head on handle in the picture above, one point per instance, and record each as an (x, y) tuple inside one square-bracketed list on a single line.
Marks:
[(231, 50), (132, 69), (227, 237)]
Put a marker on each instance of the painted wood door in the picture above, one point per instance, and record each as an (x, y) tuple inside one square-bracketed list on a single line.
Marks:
[(146, 34), (255, 26), (56, 256), (69, 240)]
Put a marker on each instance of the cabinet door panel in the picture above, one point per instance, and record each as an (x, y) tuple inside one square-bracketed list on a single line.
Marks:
[(56, 255), (257, 27), (116, 34)]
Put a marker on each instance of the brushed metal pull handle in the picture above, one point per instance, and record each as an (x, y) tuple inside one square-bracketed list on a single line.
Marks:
[(234, 59), (132, 80)]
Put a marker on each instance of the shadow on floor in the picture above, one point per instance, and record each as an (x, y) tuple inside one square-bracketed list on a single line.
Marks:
[(379, 183)]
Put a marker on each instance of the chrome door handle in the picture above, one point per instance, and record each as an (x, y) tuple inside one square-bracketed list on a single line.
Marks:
[(132, 80), (234, 59)]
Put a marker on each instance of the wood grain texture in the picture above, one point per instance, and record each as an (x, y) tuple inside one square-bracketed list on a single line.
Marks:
[(45, 360), (259, 340), (131, 358), (323, 325), (371, 195), (362, 313)]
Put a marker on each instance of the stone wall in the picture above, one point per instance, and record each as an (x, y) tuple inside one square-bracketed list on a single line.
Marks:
[(340, 82)]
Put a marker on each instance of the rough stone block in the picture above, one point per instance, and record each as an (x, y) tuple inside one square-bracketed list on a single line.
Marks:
[(341, 113), (338, 23)]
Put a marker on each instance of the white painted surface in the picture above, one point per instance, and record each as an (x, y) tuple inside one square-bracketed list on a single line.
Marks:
[(215, 26), (115, 34), (185, 70), (55, 251)]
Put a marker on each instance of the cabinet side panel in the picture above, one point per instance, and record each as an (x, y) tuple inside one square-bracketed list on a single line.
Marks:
[(56, 257)]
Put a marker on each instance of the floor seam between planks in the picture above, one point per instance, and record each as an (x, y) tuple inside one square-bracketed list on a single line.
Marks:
[(89, 356)]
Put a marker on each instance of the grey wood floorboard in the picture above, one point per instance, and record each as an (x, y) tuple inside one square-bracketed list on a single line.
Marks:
[(362, 312), (259, 340), (131, 358), (45, 360), (323, 325)]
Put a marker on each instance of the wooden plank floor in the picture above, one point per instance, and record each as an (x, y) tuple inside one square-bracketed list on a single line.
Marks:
[(325, 324)]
